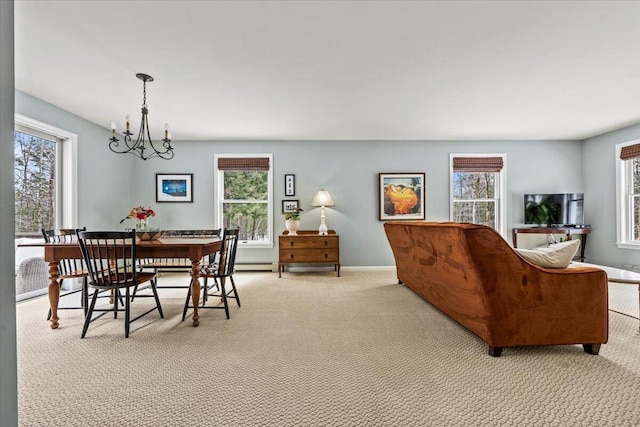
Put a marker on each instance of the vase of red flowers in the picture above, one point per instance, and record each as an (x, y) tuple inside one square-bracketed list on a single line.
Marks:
[(142, 215)]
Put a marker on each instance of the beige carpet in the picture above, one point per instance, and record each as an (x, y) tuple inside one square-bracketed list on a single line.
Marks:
[(314, 350)]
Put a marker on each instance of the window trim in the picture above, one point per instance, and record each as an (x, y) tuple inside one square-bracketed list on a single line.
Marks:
[(501, 191), (67, 171), (218, 198), (623, 210)]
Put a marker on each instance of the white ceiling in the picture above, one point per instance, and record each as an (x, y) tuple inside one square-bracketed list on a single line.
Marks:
[(338, 70)]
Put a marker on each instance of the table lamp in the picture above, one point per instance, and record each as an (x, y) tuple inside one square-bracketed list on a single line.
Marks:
[(322, 199)]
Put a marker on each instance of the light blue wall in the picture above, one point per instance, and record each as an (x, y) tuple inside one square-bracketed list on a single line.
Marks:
[(600, 197), (110, 184), (349, 170)]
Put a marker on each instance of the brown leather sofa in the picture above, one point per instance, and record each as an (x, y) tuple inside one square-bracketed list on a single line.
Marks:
[(473, 275)]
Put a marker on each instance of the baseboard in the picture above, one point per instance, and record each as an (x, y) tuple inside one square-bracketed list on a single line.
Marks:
[(273, 267)]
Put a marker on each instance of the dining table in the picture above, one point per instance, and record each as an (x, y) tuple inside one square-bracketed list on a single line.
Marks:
[(193, 248)]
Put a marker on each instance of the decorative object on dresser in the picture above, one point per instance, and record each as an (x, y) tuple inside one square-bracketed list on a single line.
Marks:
[(291, 212), (401, 196), (322, 199), (143, 142), (309, 247)]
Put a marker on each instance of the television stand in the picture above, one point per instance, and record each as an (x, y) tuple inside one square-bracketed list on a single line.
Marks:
[(567, 231)]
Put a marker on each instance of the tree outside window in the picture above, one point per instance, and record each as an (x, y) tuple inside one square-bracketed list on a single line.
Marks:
[(245, 206), (34, 183), (474, 198)]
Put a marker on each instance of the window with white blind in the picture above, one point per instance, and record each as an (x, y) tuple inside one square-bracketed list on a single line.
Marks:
[(478, 189), (244, 196), (628, 194)]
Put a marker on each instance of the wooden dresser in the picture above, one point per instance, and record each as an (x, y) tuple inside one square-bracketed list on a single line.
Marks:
[(309, 247)]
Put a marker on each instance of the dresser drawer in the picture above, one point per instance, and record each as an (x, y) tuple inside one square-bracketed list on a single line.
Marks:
[(309, 255), (306, 242)]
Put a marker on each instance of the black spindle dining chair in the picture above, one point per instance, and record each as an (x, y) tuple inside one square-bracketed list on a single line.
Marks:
[(220, 270), (111, 261), (69, 269)]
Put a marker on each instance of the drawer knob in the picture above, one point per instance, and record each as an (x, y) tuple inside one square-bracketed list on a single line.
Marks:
[(326, 255), (291, 243), (326, 243), (291, 256)]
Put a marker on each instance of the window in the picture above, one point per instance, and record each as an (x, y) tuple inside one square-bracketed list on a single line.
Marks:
[(34, 182), (244, 197), (45, 186), (44, 177), (477, 189), (628, 194)]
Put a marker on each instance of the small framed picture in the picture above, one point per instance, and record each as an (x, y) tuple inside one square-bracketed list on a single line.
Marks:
[(401, 196), (174, 187), (289, 185), (289, 206)]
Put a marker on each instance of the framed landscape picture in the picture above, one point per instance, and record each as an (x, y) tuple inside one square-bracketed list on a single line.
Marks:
[(174, 187), (401, 196)]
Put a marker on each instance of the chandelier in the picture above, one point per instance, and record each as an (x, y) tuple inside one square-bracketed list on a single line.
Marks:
[(143, 146)]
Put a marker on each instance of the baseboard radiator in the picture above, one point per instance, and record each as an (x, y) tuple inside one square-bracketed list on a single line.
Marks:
[(240, 266), (256, 266)]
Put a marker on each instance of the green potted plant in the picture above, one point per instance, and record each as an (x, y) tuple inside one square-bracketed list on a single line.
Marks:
[(542, 213), (292, 221)]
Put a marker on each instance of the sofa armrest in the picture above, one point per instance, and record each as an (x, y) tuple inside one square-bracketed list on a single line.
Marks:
[(529, 304)]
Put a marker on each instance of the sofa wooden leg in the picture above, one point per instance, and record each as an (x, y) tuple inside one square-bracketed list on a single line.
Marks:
[(592, 348), (495, 351)]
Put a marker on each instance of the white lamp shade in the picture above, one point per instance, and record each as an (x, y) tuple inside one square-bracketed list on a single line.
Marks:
[(323, 198)]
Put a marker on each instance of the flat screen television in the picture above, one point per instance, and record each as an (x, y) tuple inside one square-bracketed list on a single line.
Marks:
[(567, 208)]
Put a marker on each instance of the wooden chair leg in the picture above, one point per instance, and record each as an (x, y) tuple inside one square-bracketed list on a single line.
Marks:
[(87, 318), (157, 298), (235, 292), (127, 313), (186, 303), (224, 297), (85, 294)]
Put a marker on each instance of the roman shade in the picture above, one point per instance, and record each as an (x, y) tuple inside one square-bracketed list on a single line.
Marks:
[(477, 164), (243, 163), (630, 152)]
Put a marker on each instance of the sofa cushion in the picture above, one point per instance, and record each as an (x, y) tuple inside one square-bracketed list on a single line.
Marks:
[(556, 255)]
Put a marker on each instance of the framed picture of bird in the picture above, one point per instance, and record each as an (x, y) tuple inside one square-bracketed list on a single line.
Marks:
[(402, 196)]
